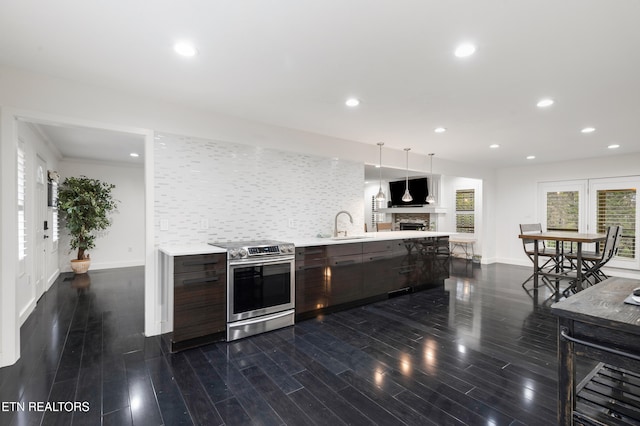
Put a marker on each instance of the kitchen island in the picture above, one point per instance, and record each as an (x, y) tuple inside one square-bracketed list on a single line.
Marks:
[(601, 323), (340, 273)]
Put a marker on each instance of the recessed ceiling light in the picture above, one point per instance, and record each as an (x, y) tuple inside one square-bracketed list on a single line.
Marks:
[(185, 49), (588, 130), (440, 130), (494, 146), (134, 155), (613, 146), (543, 103), (352, 102), (531, 157), (464, 50)]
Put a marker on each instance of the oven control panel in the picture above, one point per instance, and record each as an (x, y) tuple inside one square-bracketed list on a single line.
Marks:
[(260, 251)]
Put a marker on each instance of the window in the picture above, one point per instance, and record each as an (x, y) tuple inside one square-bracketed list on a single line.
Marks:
[(22, 224), (54, 211), (618, 207), (563, 213), (465, 211)]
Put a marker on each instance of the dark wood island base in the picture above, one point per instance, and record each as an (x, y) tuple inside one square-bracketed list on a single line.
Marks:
[(331, 278), (597, 324)]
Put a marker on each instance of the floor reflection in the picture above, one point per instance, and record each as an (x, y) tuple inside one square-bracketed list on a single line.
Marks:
[(81, 282)]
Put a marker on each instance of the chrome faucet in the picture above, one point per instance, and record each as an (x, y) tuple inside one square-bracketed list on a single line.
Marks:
[(335, 227)]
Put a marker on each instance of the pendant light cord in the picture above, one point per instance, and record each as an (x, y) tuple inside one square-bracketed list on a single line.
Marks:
[(380, 195), (407, 195)]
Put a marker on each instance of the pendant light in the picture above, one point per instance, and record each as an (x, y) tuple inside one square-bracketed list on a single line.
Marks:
[(431, 199), (407, 196), (380, 195)]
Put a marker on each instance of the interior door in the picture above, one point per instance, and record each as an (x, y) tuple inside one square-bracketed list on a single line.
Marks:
[(41, 235)]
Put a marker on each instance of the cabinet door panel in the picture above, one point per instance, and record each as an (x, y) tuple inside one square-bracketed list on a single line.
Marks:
[(199, 296), (377, 273), (311, 291), (344, 279)]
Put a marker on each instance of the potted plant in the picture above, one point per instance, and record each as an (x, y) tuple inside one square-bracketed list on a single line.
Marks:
[(84, 205)]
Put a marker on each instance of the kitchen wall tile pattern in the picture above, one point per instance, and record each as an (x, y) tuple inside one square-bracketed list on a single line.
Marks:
[(207, 190)]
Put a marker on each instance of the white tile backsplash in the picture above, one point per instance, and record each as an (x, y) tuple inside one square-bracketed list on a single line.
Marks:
[(207, 190)]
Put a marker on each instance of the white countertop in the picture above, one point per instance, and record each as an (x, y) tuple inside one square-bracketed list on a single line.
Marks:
[(369, 236), (189, 249)]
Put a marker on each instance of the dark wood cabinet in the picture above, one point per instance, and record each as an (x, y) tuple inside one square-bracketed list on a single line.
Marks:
[(311, 279), (344, 278), (378, 260), (199, 297), (337, 276)]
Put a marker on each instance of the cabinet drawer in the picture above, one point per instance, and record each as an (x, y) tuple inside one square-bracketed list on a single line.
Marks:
[(303, 265), (195, 280), (344, 249), (313, 252), (377, 246), (199, 262)]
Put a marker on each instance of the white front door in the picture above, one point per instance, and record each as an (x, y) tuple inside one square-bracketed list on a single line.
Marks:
[(41, 234)]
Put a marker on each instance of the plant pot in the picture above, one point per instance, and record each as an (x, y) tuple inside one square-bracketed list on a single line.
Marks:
[(80, 266)]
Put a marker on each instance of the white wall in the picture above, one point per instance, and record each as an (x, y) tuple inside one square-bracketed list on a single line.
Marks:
[(517, 195), (208, 190), (123, 243)]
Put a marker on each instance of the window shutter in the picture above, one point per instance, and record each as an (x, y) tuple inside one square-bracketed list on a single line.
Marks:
[(618, 207), (22, 225), (465, 210)]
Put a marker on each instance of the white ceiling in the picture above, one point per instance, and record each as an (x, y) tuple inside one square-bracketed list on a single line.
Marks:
[(293, 63), (83, 143)]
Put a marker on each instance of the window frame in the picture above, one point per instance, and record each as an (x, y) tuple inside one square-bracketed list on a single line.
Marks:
[(472, 212)]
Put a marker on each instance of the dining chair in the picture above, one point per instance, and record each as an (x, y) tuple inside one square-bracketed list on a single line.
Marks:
[(593, 261), (548, 253)]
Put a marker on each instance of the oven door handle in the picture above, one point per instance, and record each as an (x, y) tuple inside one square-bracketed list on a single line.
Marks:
[(261, 319), (263, 262)]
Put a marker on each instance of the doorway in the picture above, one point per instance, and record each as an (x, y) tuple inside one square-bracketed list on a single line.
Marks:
[(47, 155)]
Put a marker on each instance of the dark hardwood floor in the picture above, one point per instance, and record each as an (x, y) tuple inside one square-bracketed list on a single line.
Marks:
[(478, 351)]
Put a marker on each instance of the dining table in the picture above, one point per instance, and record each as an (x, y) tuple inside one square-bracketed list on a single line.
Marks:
[(560, 237)]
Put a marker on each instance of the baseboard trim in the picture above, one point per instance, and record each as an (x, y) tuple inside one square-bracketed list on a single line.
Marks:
[(109, 265), (28, 310)]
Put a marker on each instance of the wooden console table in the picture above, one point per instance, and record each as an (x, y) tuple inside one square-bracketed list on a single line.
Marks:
[(597, 324)]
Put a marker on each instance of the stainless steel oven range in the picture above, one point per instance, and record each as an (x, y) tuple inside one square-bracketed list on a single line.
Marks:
[(260, 287)]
